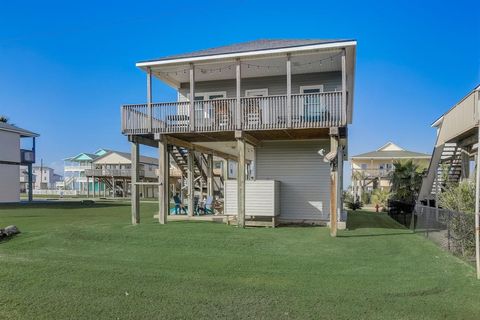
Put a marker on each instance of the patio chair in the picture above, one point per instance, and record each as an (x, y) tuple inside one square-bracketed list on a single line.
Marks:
[(207, 208), (179, 205)]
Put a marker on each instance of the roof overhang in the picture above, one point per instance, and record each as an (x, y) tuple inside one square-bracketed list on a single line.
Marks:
[(161, 68), (438, 122), (249, 54)]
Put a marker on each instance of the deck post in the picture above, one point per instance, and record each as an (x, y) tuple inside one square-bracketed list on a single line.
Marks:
[(190, 177), (344, 90), (238, 76), (192, 97), (333, 187), (339, 182), (210, 186), (30, 182), (163, 175), (289, 92), (125, 187), (240, 179), (113, 180), (135, 157), (477, 207), (149, 99), (88, 187)]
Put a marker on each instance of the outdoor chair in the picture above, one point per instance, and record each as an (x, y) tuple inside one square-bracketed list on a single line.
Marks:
[(207, 208)]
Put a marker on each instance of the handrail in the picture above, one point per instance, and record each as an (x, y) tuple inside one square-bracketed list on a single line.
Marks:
[(311, 110)]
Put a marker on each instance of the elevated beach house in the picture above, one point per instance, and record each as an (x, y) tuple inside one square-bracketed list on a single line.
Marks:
[(371, 170), (277, 110), (455, 153), (12, 156)]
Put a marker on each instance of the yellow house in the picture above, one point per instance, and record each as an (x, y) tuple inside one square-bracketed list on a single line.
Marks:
[(371, 170)]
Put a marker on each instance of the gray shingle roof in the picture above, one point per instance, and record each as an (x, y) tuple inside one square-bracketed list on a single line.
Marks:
[(12, 128), (392, 154), (256, 45)]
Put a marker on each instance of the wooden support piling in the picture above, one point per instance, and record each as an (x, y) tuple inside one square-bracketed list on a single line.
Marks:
[(135, 202)]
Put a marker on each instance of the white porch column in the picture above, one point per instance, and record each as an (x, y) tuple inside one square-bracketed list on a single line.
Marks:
[(190, 177), (289, 91), (240, 179), (344, 90), (192, 97), (210, 182), (238, 75), (163, 179), (135, 202), (149, 99)]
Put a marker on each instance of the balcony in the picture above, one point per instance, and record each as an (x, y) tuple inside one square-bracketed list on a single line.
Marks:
[(122, 173), (27, 156), (75, 168), (316, 110), (375, 173)]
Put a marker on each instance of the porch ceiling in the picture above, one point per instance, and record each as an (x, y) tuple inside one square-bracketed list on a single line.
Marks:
[(324, 61), (294, 134)]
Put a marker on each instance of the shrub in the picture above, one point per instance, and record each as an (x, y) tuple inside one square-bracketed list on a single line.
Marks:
[(460, 198), (380, 197), (351, 203)]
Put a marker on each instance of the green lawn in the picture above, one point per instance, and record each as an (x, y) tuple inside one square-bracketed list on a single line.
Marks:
[(87, 262)]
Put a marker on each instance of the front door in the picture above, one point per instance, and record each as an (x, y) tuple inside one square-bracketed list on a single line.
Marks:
[(262, 106), (313, 106)]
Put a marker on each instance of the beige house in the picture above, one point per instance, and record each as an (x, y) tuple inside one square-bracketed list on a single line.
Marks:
[(371, 170)]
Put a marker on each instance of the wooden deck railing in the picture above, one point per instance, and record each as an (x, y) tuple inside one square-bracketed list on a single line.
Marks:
[(317, 110), (111, 173)]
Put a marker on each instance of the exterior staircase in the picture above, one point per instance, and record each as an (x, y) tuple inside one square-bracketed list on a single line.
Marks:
[(180, 156), (445, 166)]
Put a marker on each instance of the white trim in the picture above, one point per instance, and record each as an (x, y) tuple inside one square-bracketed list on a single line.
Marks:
[(248, 54), (264, 91), (318, 86), (390, 143)]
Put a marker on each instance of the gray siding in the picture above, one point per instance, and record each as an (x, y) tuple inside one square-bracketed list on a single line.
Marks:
[(304, 177), (277, 85)]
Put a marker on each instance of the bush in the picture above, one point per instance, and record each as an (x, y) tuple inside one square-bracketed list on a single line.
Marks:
[(460, 198), (380, 197), (354, 205)]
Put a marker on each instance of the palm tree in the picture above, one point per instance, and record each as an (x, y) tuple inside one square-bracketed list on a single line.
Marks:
[(406, 180), (3, 119)]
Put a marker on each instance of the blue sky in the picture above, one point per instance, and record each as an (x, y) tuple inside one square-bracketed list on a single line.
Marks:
[(65, 68)]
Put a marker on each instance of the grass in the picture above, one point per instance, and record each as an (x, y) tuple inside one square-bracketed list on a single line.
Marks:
[(77, 261)]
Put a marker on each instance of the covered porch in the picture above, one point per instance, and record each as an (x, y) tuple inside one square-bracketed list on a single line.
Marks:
[(280, 176)]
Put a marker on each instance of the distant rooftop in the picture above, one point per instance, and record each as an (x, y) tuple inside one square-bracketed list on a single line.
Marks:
[(391, 151), (256, 45)]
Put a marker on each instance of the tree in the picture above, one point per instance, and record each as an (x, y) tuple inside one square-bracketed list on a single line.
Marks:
[(3, 119), (380, 197), (406, 180)]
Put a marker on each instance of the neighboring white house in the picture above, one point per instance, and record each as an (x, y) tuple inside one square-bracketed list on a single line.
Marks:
[(45, 178), (289, 102), (11, 157), (74, 171)]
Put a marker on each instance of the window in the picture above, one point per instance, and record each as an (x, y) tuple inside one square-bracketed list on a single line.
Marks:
[(363, 166), (205, 110)]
